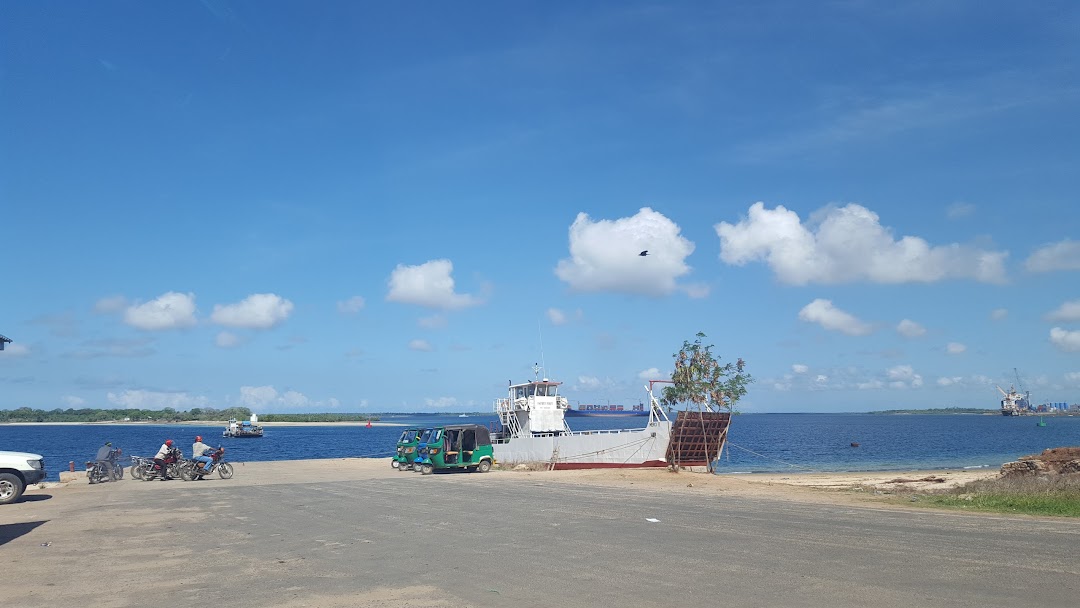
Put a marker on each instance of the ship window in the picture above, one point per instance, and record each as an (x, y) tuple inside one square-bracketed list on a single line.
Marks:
[(520, 392), (532, 390)]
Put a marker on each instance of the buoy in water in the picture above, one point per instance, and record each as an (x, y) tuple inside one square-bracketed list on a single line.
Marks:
[(369, 424), (854, 444)]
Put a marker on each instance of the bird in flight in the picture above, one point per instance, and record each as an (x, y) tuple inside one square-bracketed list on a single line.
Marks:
[(644, 253)]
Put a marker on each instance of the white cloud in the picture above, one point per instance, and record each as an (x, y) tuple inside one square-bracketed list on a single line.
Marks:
[(955, 348), (73, 401), (1073, 377), (1068, 341), (959, 210), (943, 381), (847, 244), (910, 329), (14, 350), (652, 373), (903, 376), (556, 316), (171, 310), (268, 398), (821, 379), (227, 340), (441, 402), (351, 306), (1066, 313), (1063, 255), (832, 318), (696, 291), (257, 311), (110, 304), (433, 322), (156, 400), (428, 284), (999, 314), (799, 368), (604, 255), (588, 383), (869, 385), (420, 345)]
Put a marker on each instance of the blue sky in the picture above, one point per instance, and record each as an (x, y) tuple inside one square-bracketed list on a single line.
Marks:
[(378, 206)]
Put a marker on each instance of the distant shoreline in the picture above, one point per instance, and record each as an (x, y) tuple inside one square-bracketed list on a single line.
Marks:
[(222, 423)]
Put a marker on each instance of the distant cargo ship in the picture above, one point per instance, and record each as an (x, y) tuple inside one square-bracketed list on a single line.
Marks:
[(607, 410)]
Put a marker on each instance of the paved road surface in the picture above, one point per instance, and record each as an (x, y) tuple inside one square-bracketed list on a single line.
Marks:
[(340, 534)]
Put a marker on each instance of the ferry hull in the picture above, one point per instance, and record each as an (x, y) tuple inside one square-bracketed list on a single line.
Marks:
[(635, 448), (603, 413)]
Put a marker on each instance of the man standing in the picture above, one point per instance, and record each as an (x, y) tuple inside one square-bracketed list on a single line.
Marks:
[(159, 459), (198, 453)]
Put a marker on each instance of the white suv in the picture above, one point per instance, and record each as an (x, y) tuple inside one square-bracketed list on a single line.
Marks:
[(18, 470)]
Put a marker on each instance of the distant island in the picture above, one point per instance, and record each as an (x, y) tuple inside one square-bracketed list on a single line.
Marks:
[(940, 410), (166, 415)]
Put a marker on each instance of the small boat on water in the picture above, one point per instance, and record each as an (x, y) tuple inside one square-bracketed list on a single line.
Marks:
[(533, 429), (247, 428)]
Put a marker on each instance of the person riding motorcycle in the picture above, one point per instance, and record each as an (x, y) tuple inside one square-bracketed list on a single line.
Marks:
[(105, 456), (199, 453), (159, 459)]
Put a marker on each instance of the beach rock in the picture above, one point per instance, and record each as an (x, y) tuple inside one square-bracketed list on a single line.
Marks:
[(1055, 461), (1024, 468)]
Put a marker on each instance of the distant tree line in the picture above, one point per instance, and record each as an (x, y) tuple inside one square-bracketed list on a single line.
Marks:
[(940, 410), (25, 414)]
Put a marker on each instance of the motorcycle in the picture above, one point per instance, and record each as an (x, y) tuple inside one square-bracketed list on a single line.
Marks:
[(192, 469), (97, 472), (152, 470), (137, 465)]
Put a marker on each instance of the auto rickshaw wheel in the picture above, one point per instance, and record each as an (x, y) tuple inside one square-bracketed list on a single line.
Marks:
[(484, 466), (395, 464), (427, 469)]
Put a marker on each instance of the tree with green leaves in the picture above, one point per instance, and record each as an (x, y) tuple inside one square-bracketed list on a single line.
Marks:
[(699, 379)]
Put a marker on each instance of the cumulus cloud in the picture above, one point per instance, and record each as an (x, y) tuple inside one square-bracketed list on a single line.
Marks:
[(1063, 255), (556, 316), (903, 376), (428, 284), (949, 381), (955, 348), (999, 314), (420, 345), (799, 368), (268, 398), (652, 373), (1066, 313), (156, 400), (73, 401), (910, 329), (1068, 341), (1073, 377), (351, 306), (110, 304), (227, 340), (832, 318), (14, 350), (847, 244), (589, 383), (604, 255), (171, 310), (958, 210), (257, 311), (870, 385)]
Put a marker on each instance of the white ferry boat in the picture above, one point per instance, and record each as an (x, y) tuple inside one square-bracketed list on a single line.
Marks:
[(534, 430)]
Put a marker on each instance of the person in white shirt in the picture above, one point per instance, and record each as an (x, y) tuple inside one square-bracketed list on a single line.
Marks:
[(159, 459), (199, 453)]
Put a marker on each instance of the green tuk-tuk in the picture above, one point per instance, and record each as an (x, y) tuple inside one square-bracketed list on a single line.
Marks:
[(406, 449), (462, 446)]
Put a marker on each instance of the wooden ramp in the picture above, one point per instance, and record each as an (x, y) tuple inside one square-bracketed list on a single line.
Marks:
[(697, 438)]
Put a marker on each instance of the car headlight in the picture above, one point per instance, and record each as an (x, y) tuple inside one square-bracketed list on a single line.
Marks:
[(36, 464)]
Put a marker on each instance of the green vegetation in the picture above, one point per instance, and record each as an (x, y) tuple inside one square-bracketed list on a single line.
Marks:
[(1055, 496), (25, 414), (340, 417), (701, 380), (941, 410)]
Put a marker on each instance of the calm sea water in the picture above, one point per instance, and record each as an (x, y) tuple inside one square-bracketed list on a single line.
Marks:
[(757, 442)]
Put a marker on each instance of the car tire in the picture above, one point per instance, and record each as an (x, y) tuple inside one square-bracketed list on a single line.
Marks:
[(11, 488)]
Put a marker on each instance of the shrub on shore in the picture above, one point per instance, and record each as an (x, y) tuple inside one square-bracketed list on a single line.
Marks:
[(1056, 495)]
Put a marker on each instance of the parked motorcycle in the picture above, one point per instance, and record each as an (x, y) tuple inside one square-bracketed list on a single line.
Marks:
[(97, 472), (192, 469), (137, 463), (152, 470)]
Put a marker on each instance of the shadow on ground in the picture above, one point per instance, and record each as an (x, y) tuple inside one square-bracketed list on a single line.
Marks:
[(9, 532)]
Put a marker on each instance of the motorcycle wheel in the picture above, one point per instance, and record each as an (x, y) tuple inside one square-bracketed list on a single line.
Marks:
[(225, 470), (91, 476), (174, 469), (136, 472), (118, 473), (187, 473)]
